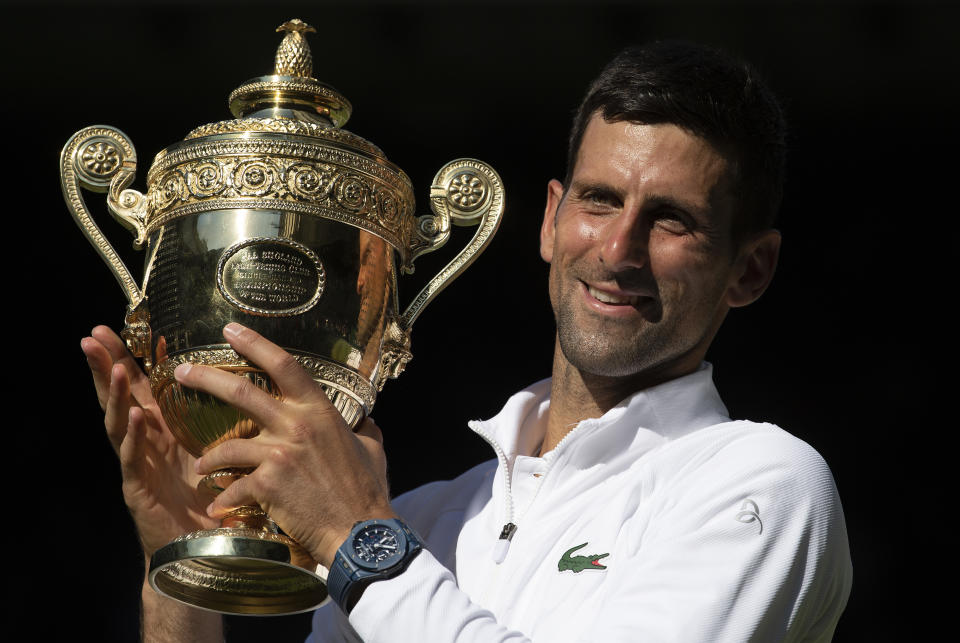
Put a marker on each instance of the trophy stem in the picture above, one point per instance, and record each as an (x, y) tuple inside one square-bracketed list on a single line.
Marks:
[(243, 517), (249, 517)]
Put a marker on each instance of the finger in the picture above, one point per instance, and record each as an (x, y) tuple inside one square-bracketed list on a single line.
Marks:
[(117, 349), (111, 342), (293, 380), (117, 411), (154, 419), (133, 446), (100, 362), (235, 390), (241, 452), (238, 494)]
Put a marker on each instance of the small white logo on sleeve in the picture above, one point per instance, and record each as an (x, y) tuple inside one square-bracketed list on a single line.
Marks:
[(749, 512)]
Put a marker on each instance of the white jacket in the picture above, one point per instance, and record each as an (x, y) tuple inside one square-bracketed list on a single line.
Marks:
[(693, 528)]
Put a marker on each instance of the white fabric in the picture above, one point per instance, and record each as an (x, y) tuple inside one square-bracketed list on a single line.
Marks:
[(716, 530)]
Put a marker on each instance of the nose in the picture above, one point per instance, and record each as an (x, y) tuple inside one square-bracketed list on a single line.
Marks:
[(625, 242)]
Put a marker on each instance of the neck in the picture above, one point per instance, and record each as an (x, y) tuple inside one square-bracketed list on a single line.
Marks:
[(576, 395)]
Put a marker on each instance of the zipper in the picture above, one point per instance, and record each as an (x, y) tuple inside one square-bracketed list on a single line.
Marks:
[(502, 545)]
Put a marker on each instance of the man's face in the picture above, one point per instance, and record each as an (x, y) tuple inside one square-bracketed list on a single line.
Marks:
[(642, 263)]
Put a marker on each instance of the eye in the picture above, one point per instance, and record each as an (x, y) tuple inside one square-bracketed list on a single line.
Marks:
[(673, 221), (601, 199)]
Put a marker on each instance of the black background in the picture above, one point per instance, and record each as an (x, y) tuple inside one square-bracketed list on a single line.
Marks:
[(838, 351)]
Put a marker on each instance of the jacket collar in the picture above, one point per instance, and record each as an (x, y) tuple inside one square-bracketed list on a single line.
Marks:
[(660, 413)]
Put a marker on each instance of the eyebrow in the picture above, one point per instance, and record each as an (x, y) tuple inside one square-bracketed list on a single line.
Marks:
[(689, 207), (582, 187)]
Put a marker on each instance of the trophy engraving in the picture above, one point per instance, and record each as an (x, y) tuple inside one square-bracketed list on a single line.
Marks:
[(267, 276), (282, 221)]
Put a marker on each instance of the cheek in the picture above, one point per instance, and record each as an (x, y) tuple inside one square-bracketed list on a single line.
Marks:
[(670, 257), (554, 286), (574, 238), (682, 267), (588, 230)]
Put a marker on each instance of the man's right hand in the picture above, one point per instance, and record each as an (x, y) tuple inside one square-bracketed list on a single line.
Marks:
[(159, 482)]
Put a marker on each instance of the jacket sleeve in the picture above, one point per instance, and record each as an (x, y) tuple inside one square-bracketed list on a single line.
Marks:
[(754, 548), (421, 604)]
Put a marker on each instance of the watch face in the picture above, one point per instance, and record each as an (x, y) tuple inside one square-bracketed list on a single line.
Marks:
[(377, 544)]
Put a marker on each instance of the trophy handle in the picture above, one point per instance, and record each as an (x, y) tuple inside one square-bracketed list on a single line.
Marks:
[(102, 159), (464, 192)]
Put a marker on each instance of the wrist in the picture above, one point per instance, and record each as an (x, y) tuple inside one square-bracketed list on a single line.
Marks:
[(375, 550), (327, 549)]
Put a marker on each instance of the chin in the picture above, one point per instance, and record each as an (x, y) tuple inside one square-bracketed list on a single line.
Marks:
[(600, 357), (643, 354)]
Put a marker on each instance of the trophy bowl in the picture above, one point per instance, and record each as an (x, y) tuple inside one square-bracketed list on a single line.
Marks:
[(282, 221)]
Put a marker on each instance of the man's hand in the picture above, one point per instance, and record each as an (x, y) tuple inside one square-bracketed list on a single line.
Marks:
[(312, 475), (159, 481)]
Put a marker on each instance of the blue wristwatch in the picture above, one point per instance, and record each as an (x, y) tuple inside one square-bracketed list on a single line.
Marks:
[(375, 550)]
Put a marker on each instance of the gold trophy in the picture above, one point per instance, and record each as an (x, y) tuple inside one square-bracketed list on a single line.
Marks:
[(284, 222)]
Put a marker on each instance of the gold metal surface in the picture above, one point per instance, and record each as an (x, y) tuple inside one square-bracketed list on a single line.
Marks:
[(239, 571), (200, 421), (282, 221)]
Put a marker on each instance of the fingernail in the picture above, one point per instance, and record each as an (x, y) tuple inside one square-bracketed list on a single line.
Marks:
[(210, 509), (182, 371), (232, 330)]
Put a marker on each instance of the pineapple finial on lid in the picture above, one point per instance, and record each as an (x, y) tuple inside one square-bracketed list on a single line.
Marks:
[(293, 55), (291, 92)]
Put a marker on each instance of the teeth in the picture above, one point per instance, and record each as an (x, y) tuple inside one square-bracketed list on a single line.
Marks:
[(608, 298)]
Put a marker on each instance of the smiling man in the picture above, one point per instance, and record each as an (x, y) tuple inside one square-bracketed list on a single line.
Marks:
[(623, 503), (643, 266)]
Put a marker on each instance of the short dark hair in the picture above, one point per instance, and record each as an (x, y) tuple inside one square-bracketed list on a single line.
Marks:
[(710, 94)]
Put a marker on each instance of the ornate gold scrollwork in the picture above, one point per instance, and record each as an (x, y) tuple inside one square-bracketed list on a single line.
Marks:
[(136, 333), (464, 192), (322, 370), (331, 135), (307, 178), (102, 159), (395, 353)]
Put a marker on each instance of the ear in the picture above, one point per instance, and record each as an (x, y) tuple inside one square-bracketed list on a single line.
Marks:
[(548, 228), (754, 268)]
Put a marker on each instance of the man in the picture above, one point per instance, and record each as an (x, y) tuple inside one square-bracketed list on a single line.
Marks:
[(624, 504)]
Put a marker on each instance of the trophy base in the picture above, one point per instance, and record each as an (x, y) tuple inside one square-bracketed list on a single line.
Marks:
[(238, 571)]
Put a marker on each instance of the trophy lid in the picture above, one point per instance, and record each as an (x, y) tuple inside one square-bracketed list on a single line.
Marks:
[(291, 100), (292, 91), (285, 150)]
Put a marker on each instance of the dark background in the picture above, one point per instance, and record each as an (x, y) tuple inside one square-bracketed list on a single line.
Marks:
[(838, 351)]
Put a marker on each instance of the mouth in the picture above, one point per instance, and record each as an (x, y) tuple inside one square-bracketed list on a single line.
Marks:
[(615, 298), (611, 298)]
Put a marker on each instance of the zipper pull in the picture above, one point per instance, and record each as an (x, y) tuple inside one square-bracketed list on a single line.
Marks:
[(503, 545)]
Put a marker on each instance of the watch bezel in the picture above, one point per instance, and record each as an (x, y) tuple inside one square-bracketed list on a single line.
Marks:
[(386, 563)]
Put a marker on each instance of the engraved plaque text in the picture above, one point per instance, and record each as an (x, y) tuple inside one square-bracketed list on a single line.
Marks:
[(270, 276)]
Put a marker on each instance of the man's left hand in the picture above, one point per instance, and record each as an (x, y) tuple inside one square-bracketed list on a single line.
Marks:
[(313, 476)]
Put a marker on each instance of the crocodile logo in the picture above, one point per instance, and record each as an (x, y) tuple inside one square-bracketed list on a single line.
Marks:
[(577, 564)]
